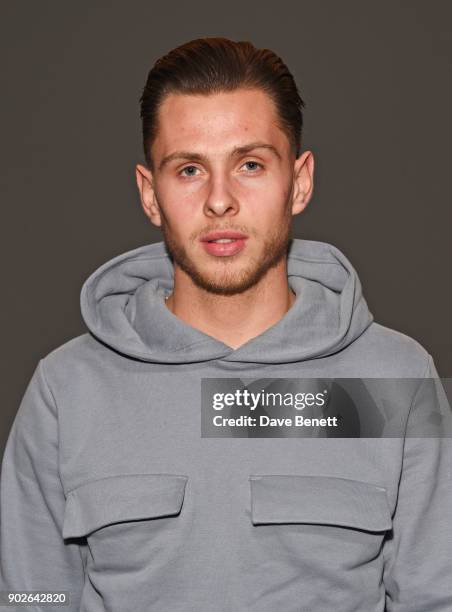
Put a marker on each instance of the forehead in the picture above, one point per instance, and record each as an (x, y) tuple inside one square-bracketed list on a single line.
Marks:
[(217, 122)]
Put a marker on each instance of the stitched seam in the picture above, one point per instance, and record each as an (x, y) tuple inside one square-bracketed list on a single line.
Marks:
[(413, 401), (146, 355), (52, 395)]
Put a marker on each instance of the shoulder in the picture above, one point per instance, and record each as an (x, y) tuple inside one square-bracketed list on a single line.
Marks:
[(68, 360), (392, 353)]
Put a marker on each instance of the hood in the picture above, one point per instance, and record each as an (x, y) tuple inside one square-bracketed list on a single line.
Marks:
[(122, 304)]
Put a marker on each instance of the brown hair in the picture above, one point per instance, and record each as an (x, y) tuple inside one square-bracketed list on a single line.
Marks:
[(212, 65)]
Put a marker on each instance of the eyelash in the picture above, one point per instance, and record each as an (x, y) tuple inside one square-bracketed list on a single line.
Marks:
[(247, 162)]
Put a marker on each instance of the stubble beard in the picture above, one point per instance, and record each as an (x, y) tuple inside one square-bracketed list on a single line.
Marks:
[(228, 281)]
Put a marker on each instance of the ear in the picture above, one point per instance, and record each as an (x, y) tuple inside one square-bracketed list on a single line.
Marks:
[(303, 182), (145, 183)]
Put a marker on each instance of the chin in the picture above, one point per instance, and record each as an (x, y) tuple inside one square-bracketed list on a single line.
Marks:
[(226, 283)]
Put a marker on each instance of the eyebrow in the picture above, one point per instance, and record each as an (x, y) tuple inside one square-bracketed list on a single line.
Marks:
[(235, 152)]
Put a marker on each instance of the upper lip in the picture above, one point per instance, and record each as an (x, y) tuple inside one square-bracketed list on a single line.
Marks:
[(222, 234)]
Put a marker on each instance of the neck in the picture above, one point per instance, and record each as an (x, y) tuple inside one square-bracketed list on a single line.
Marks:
[(233, 319)]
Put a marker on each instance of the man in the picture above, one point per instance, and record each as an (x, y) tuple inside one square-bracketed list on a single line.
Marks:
[(108, 489)]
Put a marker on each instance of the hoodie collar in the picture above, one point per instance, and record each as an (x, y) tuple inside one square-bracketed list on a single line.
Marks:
[(123, 305)]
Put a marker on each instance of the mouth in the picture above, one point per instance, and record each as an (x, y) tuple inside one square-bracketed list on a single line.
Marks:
[(224, 242)]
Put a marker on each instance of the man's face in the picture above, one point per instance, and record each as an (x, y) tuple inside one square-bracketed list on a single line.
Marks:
[(221, 163)]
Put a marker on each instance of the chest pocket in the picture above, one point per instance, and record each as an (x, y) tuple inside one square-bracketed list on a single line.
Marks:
[(127, 520), (327, 528)]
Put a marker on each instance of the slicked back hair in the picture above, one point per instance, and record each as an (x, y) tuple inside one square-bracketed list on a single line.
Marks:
[(211, 65)]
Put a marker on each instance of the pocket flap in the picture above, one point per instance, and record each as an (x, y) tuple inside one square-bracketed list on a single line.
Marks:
[(122, 498), (319, 499)]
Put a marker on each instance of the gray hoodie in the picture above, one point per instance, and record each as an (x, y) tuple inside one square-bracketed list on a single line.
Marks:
[(109, 491)]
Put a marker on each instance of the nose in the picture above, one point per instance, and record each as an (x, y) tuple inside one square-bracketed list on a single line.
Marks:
[(220, 200)]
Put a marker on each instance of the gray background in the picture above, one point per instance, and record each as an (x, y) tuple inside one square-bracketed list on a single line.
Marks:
[(375, 77)]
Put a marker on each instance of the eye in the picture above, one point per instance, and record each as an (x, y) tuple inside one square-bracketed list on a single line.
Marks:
[(253, 165), (191, 170)]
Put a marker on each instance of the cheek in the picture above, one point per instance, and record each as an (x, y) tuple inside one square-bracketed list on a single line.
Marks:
[(179, 217), (265, 201), (183, 197), (178, 204)]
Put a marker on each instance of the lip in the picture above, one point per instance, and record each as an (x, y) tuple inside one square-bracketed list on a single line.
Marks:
[(216, 235), (224, 249)]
